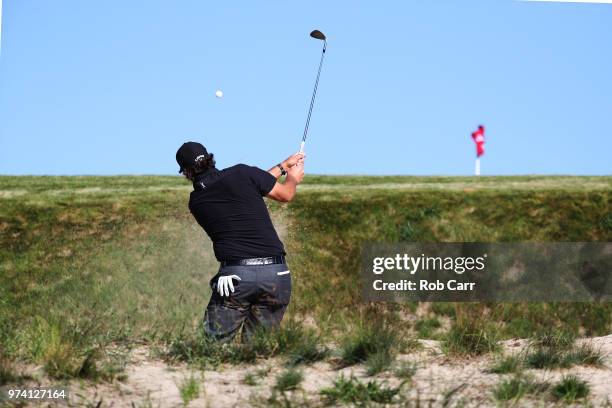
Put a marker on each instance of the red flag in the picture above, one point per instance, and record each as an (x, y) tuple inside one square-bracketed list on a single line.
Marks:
[(479, 139)]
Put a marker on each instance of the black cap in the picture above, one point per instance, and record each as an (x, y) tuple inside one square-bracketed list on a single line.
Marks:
[(187, 154)]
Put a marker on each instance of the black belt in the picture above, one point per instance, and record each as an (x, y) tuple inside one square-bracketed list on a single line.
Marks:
[(269, 260)]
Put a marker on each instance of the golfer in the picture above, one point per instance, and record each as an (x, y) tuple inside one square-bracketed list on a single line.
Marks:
[(253, 286)]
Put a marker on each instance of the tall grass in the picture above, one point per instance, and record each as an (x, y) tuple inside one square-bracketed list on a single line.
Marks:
[(471, 338), (289, 379), (85, 274), (8, 372), (558, 349), (189, 388), (93, 265), (426, 327), (571, 388), (506, 364), (331, 225), (297, 344), (518, 386), (375, 344), (355, 392)]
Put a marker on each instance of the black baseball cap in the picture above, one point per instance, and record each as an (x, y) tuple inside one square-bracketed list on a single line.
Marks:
[(187, 154)]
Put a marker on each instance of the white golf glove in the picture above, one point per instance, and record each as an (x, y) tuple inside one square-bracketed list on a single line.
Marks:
[(225, 284)]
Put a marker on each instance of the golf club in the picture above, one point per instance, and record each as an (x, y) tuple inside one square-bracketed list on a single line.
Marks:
[(319, 36)]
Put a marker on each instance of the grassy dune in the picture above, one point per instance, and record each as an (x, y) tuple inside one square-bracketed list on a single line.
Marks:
[(331, 225), (91, 266)]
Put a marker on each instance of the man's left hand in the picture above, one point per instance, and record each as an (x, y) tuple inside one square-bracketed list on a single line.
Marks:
[(293, 160)]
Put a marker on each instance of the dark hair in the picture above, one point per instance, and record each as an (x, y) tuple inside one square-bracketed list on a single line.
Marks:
[(203, 163)]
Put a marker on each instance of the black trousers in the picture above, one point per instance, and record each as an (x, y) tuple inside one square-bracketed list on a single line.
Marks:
[(260, 298)]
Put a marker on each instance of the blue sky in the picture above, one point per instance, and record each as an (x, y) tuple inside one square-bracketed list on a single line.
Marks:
[(114, 87)]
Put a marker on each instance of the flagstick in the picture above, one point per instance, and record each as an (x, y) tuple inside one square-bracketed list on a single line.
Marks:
[(477, 170)]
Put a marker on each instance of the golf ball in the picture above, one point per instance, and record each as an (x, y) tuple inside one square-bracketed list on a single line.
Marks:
[(219, 93)]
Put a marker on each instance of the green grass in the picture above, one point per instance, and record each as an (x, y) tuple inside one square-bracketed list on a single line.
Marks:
[(444, 309), (289, 379), (374, 344), (353, 391), (307, 352), (7, 371), (332, 224), (585, 354), (189, 389), (556, 339), (517, 387), (566, 183), (506, 364), (206, 352), (558, 350), (427, 327), (83, 273), (378, 362), (297, 344), (405, 370), (252, 378), (93, 265), (546, 358), (300, 345), (570, 388), (471, 338)]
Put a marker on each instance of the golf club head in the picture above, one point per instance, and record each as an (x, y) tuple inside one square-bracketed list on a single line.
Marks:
[(318, 35)]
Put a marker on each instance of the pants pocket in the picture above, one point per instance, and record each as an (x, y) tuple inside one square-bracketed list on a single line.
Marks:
[(274, 290), (284, 286)]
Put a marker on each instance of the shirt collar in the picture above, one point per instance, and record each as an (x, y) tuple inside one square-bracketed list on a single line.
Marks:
[(198, 179)]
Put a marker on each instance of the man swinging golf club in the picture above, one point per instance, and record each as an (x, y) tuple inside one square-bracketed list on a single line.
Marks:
[(253, 286)]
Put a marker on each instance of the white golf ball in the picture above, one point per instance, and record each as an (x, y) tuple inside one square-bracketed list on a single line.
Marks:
[(219, 93)]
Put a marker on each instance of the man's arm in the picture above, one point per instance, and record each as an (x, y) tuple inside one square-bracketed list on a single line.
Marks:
[(286, 164), (284, 192), (276, 171)]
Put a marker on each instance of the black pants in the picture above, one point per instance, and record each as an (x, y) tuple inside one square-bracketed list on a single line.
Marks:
[(260, 298)]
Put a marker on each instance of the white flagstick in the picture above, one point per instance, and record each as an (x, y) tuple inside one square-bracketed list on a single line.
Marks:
[(477, 169)]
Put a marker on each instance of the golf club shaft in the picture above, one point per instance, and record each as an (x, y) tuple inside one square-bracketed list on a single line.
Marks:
[(314, 95)]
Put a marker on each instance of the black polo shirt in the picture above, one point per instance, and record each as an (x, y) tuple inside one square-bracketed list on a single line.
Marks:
[(229, 205)]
